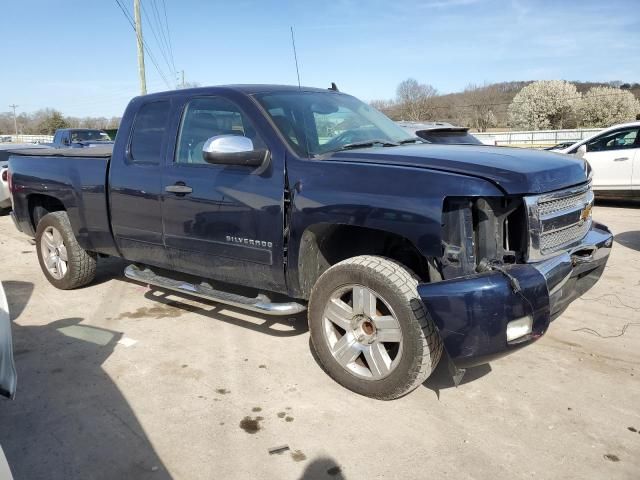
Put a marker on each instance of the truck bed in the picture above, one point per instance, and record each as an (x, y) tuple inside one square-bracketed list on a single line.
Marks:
[(76, 178)]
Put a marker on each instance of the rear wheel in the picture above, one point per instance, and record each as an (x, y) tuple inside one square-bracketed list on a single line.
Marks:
[(64, 262), (369, 328)]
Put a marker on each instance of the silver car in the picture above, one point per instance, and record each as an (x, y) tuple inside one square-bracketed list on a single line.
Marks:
[(5, 152), (8, 375)]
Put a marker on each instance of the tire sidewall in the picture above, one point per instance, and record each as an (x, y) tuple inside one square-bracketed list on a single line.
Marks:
[(412, 347)]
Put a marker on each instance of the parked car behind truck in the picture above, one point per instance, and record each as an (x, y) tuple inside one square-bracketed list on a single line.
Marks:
[(5, 150), (401, 251), (614, 155)]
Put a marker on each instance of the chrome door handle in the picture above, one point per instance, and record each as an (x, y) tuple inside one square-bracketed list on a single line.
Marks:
[(620, 159), (179, 189)]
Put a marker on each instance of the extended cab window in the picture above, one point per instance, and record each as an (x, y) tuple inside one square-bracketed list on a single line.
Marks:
[(209, 117), (617, 140), (148, 131)]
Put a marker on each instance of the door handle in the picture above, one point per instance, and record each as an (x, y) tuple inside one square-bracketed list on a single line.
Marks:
[(179, 188), (620, 159)]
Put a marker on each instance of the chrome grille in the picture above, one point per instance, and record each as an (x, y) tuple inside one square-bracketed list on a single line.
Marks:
[(558, 220), (550, 242), (557, 205)]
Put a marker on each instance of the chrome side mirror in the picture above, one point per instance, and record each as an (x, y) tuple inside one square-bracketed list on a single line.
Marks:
[(582, 149), (233, 150)]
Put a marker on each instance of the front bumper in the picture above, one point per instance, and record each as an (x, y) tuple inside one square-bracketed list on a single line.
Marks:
[(472, 313)]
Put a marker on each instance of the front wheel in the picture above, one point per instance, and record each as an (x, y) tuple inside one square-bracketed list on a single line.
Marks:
[(369, 328), (64, 262)]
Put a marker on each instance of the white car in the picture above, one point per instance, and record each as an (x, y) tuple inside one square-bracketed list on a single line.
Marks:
[(614, 156)]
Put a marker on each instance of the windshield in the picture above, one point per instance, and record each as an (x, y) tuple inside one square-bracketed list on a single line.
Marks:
[(89, 135), (315, 123)]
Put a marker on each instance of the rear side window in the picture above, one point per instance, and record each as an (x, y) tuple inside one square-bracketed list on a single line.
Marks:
[(148, 131)]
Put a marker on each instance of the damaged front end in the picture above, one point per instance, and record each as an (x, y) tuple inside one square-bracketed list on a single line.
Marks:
[(497, 290)]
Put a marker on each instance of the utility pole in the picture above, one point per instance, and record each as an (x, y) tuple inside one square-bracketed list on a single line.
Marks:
[(141, 73), (182, 78), (15, 120), (180, 83)]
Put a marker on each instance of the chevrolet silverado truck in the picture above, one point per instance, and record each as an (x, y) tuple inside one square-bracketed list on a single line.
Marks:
[(282, 199)]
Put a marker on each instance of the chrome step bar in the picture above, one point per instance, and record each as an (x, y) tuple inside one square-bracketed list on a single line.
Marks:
[(260, 303)]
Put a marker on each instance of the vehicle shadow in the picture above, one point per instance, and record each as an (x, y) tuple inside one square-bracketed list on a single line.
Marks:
[(441, 378), (323, 467), (69, 420), (268, 324), (629, 239), (275, 325), (108, 269)]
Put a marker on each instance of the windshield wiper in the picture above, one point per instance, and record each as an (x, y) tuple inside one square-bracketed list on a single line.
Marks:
[(367, 143)]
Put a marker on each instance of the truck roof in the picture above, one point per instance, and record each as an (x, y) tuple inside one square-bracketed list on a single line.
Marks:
[(247, 89)]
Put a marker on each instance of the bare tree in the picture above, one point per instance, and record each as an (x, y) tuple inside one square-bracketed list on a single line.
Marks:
[(413, 100)]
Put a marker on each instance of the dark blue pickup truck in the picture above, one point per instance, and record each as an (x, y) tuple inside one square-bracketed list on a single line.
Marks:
[(80, 138), (279, 199)]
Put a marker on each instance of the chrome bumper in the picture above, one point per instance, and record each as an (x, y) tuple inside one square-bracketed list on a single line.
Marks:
[(569, 274)]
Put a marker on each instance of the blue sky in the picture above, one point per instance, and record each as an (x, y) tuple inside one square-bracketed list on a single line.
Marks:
[(79, 56)]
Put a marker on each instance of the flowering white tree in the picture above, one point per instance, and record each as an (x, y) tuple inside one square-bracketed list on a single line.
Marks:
[(545, 104), (606, 106)]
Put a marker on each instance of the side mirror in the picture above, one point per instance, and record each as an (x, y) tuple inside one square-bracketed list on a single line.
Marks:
[(233, 150), (582, 149)]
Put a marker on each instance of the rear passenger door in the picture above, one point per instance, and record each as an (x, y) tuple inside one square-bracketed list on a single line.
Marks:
[(229, 226), (136, 185)]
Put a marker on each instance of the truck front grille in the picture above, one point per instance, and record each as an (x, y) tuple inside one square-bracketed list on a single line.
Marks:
[(558, 220)]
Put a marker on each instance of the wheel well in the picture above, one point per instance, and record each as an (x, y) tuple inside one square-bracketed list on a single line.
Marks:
[(325, 245), (40, 205)]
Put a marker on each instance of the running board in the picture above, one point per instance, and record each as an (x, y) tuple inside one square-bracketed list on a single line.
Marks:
[(260, 303)]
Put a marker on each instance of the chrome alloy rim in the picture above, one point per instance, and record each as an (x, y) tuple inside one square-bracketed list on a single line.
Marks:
[(362, 332), (54, 253)]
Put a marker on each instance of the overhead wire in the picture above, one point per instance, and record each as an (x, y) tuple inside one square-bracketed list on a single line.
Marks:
[(129, 18), (161, 47)]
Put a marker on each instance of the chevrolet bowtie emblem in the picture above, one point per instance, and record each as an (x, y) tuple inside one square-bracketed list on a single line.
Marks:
[(586, 213)]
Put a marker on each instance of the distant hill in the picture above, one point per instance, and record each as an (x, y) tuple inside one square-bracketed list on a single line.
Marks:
[(463, 108)]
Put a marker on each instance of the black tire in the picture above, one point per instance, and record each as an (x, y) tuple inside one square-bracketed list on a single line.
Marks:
[(81, 265), (421, 343)]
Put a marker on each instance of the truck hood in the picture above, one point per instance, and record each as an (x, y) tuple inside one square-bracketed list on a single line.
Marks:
[(517, 171)]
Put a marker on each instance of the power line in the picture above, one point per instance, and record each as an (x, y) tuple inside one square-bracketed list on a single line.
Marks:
[(166, 22), (159, 43), (169, 48), (127, 15)]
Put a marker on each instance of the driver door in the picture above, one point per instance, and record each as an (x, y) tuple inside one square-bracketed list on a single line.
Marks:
[(223, 222)]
